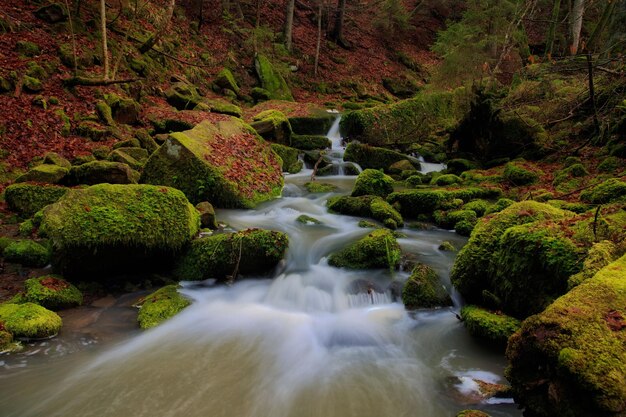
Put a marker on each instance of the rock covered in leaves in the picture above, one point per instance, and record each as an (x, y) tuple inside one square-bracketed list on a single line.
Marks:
[(160, 306), (225, 163), (110, 227), (379, 249), (251, 251)]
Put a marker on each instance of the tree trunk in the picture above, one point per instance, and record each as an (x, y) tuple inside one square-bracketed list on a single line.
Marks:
[(74, 55), (554, 21), (576, 24), (604, 20), (291, 5), (339, 18), (103, 29), (161, 27), (319, 36), (592, 94)]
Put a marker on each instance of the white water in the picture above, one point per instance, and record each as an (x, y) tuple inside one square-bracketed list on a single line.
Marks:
[(310, 342)]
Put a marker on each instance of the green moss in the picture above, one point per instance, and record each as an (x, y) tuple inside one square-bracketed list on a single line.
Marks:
[(571, 358), (106, 226), (274, 126), (518, 175), (423, 289), (31, 85), (53, 158), (414, 181), (26, 228), (320, 187), (472, 413), (271, 80), (97, 172), (260, 94), (289, 156), (27, 253), (304, 219), (27, 48), (446, 179), (366, 224), (27, 199), (46, 173), (372, 157), (219, 106), (477, 206), (6, 338), (52, 292), (373, 182), (226, 80), (183, 96), (499, 205), (447, 246), (448, 219), (160, 306), (92, 130), (491, 327), (404, 167), (29, 320), (310, 142), (425, 201), (379, 249), (609, 164), (565, 205), (607, 192), (36, 71), (365, 206), (66, 127), (600, 255), (250, 252), (312, 125)]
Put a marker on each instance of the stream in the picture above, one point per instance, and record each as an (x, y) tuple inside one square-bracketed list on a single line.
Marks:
[(308, 341)]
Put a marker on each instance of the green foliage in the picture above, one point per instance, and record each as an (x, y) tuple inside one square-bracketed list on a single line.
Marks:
[(393, 19), (29, 320), (479, 207), (27, 253), (423, 289), (414, 181), (252, 251), (379, 249), (160, 306), (495, 329), (373, 182), (27, 199), (52, 292)]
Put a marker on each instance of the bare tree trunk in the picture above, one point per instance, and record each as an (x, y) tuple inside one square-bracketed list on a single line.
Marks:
[(339, 18), (161, 27), (319, 36), (576, 24), (554, 21), (607, 13), (592, 94), (291, 5), (69, 15), (103, 29)]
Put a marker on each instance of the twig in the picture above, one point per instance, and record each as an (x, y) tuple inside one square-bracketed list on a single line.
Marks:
[(321, 158), (93, 82)]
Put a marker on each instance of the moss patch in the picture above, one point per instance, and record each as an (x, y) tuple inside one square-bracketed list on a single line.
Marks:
[(373, 182), (271, 80), (27, 199), (52, 292), (367, 206), (27, 253), (160, 306), (29, 320), (379, 249), (494, 328), (372, 157), (423, 289), (320, 187)]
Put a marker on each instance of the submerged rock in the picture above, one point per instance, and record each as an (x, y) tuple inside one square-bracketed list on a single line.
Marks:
[(379, 249), (160, 306)]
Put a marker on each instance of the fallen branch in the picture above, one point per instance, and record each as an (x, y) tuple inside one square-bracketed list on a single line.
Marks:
[(94, 82)]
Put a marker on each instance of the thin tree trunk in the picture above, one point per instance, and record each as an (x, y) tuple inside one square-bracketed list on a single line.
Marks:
[(592, 95), (103, 29), (339, 18), (556, 9), (69, 16), (576, 24), (319, 36), (162, 26), (604, 20), (201, 18), (291, 5)]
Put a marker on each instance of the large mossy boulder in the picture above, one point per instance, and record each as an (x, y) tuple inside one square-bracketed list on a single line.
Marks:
[(273, 125), (27, 253), (492, 328), (570, 360), (379, 249), (517, 260), (312, 125), (183, 96), (372, 157), (45, 173), (51, 292), (248, 252), (160, 306), (373, 182), (98, 172), (289, 156), (271, 80), (225, 80), (367, 206), (310, 142), (28, 199), (29, 321), (424, 289), (225, 163), (118, 228), (609, 191), (425, 201)]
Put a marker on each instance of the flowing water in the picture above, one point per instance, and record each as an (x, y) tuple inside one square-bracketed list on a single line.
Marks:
[(309, 341)]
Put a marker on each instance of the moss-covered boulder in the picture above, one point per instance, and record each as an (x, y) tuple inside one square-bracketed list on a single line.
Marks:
[(225, 163), (98, 172), (53, 158), (600, 255), (373, 182), (123, 110), (446, 179), (367, 206), (318, 124), (372, 157), (518, 259), (207, 215), (609, 191), (379, 249), (248, 252), (31, 84), (52, 292), (273, 125), (425, 201), (27, 253), (493, 328), (115, 228), (320, 187), (570, 360), (271, 80), (225, 80), (183, 96), (29, 321), (518, 174), (310, 142), (423, 289), (160, 306), (463, 221), (289, 156), (220, 107), (459, 166), (28, 199), (45, 173)]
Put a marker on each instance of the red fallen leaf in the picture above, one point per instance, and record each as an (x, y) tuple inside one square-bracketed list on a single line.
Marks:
[(87, 208)]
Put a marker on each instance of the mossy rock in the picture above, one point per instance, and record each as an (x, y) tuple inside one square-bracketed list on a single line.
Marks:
[(133, 157), (52, 292), (493, 328), (160, 306), (450, 219), (611, 190), (104, 113), (472, 413), (6, 338), (518, 175), (310, 142), (366, 206), (413, 181), (97, 172), (308, 220), (183, 96), (271, 80), (459, 166), (379, 249), (479, 207), (260, 94), (446, 246), (45, 173), (85, 57), (201, 164), (146, 141), (249, 252), (425, 201), (519, 256), (112, 228), (446, 179), (372, 157), (404, 167), (320, 187), (123, 110), (220, 107), (53, 158), (27, 253), (312, 125), (609, 164), (207, 215), (52, 13), (571, 358), (373, 182), (289, 156), (499, 205), (92, 130), (30, 321), (600, 255), (28, 199), (423, 289), (226, 80), (274, 126), (81, 160), (31, 84)]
